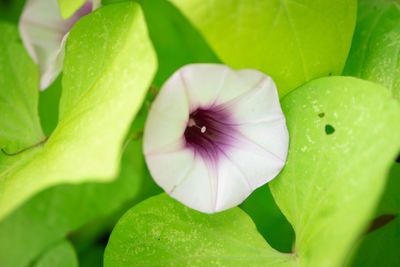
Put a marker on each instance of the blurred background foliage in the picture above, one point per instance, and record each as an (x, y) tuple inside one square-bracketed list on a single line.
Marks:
[(76, 220)]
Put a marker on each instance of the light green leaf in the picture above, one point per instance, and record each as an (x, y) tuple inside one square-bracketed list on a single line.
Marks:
[(61, 255), (343, 139), (56, 212), (69, 7), (379, 248), (108, 67), (162, 232), (19, 123), (375, 51), (175, 40), (293, 41)]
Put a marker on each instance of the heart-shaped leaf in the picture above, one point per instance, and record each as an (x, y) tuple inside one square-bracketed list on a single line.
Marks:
[(163, 232), (342, 142), (293, 41), (108, 67)]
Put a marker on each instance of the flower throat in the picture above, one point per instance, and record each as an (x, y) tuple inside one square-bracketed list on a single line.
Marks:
[(209, 132)]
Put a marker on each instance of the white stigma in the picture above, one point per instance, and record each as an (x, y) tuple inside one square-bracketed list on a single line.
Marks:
[(203, 129)]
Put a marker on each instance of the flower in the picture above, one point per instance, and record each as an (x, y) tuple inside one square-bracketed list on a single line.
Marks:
[(44, 33), (213, 135)]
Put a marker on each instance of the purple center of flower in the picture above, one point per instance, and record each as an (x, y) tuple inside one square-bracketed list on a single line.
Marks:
[(209, 132)]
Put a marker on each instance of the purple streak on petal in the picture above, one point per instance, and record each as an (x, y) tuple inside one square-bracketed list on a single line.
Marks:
[(83, 11), (209, 132)]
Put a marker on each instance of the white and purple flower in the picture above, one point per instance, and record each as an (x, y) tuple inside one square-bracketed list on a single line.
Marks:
[(44, 33), (213, 135)]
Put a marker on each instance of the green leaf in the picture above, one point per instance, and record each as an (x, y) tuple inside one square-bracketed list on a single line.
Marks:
[(390, 201), (61, 255), (18, 97), (375, 50), (11, 10), (379, 248), (69, 7), (108, 67), (293, 41), (92, 257), (342, 142), (48, 106), (162, 232), (176, 42), (270, 222), (56, 212)]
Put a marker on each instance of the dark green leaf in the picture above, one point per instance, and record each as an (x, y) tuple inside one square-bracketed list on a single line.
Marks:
[(379, 248), (375, 50), (270, 222)]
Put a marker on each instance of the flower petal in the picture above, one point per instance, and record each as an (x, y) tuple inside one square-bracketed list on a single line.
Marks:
[(44, 33), (54, 68), (271, 136), (213, 135), (233, 186), (203, 82), (96, 4), (171, 168), (198, 188), (259, 165), (259, 104), (167, 120), (260, 119), (237, 83)]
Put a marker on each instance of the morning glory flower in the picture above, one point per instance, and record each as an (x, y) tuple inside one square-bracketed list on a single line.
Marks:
[(44, 33), (213, 135)]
